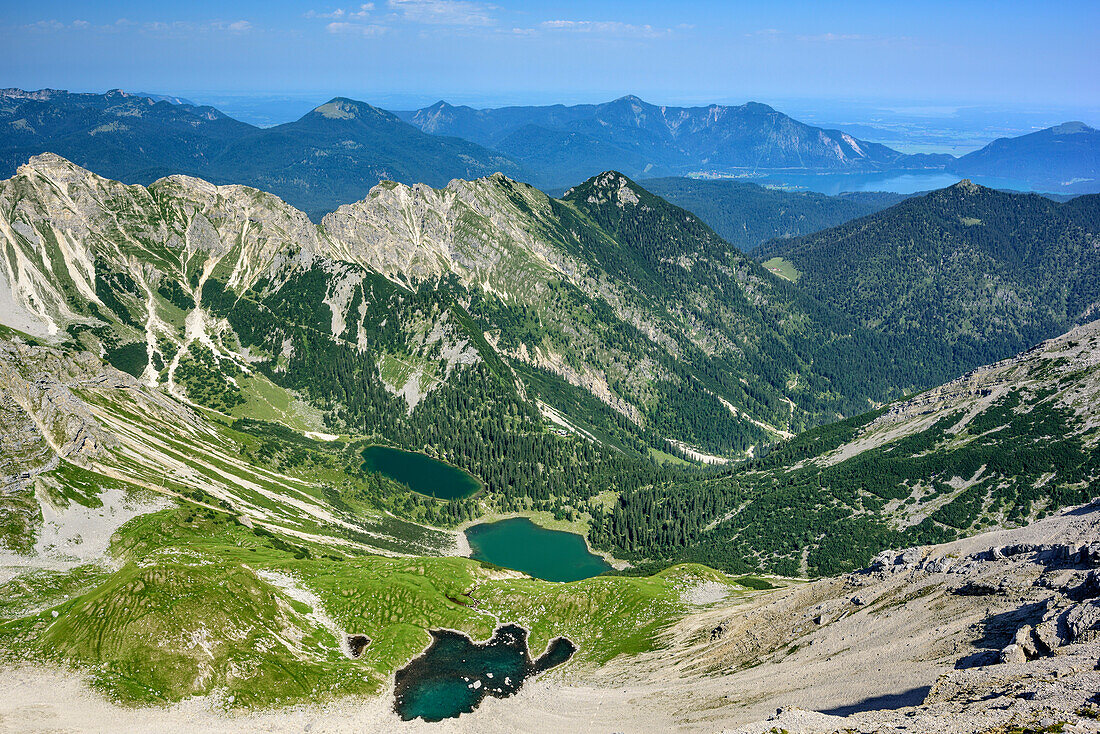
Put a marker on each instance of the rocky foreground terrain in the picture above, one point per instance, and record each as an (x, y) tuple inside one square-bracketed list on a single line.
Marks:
[(995, 633)]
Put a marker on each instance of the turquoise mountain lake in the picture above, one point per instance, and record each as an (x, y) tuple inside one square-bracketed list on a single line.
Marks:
[(455, 673), (422, 473), (552, 555)]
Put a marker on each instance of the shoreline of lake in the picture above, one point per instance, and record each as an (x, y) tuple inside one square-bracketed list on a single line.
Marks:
[(538, 517), (455, 673), (522, 545)]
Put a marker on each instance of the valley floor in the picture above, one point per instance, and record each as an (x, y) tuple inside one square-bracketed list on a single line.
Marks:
[(912, 643)]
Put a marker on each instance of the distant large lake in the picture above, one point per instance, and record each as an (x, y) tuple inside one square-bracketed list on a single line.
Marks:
[(899, 182), (422, 473), (552, 555)]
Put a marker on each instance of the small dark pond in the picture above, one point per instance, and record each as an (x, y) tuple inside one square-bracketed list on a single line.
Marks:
[(551, 555), (422, 473), (455, 673)]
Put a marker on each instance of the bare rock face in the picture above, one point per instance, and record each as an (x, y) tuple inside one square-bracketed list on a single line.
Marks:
[(45, 416), (1083, 622), (1020, 645), (43, 421)]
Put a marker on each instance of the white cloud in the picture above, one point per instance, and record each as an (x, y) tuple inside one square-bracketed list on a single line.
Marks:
[(605, 27), (833, 37), (156, 27), (444, 12), (51, 26), (236, 26), (357, 29), (360, 13)]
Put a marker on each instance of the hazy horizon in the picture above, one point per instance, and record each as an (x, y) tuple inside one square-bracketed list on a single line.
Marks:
[(509, 52)]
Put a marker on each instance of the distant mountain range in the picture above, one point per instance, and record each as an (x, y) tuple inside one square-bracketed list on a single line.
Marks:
[(331, 156), (131, 138), (1066, 157), (642, 139), (337, 152)]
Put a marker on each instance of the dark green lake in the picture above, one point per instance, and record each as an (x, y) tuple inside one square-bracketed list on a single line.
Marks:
[(455, 673), (422, 473), (552, 555)]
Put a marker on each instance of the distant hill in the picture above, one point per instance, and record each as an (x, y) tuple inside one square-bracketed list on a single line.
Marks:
[(1066, 156), (966, 275), (747, 215), (123, 136), (331, 156), (336, 153), (643, 139)]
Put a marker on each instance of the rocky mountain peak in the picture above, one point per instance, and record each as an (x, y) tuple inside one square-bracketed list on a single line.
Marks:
[(966, 186), (1072, 128), (40, 94), (342, 108), (56, 168)]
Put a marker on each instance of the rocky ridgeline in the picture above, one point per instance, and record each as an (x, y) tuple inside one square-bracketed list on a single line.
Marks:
[(1067, 363)]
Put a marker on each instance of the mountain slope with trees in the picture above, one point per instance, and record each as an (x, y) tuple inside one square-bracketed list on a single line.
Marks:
[(966, 275), (747, 215), (1063, 158), (998, 447)]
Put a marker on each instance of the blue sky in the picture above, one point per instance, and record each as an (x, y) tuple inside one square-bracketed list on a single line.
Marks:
[(1008, 53)]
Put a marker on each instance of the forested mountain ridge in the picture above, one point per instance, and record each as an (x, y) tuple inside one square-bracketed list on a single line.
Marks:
[(965, 274), (602, 305), (747, 215), (1066, 157), (997, 447)]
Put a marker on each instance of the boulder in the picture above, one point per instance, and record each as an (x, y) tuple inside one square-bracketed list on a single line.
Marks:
[(1025, 639), (909, 556), (939, 565), (1013, 654), (1050, 634), (1090, 588), (882, 561)]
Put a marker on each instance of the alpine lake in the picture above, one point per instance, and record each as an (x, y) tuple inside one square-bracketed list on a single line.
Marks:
[(516, 543), (423, 474), (551, 555), (455, 673)]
